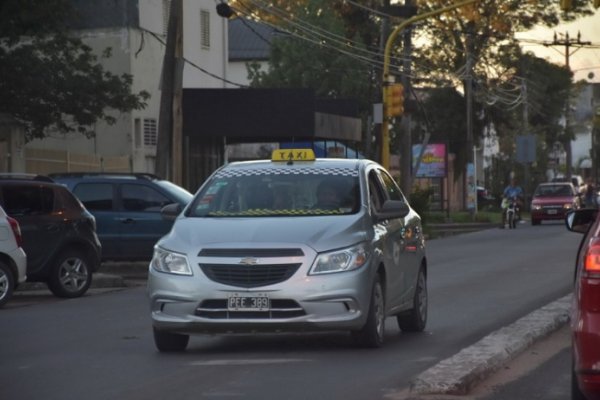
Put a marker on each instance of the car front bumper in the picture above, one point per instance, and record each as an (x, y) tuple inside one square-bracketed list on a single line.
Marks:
[(195, 304)]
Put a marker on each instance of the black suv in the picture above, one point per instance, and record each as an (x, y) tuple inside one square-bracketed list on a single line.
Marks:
[(127, 209), (59, 234)]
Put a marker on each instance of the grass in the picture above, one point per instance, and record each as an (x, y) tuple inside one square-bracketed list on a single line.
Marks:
[(437, 217)]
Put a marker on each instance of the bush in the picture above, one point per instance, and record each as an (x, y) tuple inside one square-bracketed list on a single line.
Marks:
[(420, 201)]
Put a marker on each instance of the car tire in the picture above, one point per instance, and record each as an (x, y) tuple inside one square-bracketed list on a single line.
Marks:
[(372, 333), (170, 342), (71, 275), (415, 319), (7, 283), (535, 221)]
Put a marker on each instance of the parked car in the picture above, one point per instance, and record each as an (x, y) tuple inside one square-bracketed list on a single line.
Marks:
[(58, 233), (552, 200), (127, 209), (13, 261), (585, 313), (290, 244)]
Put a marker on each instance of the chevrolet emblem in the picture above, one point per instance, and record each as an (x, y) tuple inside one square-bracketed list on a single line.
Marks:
[(249, 261)]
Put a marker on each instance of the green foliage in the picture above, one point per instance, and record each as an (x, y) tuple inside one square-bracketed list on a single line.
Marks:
[(297, 63), (51, 80), (420, 200)]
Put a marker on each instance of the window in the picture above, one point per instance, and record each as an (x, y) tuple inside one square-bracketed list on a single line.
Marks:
[(28, 200), (142, 198), (150, 131), (205, 29), (166, 12), (391, 187), (95, 196)]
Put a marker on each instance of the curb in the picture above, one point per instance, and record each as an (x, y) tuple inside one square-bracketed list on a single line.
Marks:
[(99, 280), (458, 374)]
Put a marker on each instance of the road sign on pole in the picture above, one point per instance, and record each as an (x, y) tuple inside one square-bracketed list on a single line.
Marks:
[(526, 149)]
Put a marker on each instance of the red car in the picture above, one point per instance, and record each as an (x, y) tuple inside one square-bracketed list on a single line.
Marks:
[(585, 313), (552, 201)]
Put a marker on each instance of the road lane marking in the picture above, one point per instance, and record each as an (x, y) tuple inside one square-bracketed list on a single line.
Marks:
[(249, 362)]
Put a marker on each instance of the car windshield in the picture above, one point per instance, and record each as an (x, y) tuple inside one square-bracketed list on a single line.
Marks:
[(553, 191), (260, 192)]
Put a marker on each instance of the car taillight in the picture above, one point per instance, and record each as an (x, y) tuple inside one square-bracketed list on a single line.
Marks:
[(592, 258), (14, 224)]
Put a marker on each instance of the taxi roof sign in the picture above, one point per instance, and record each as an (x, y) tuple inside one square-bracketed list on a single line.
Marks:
[(293, 155)]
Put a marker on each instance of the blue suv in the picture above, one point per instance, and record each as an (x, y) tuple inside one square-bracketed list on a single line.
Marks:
[(127, 209)]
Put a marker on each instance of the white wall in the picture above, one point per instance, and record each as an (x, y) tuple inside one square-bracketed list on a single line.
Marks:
[(140, 53)]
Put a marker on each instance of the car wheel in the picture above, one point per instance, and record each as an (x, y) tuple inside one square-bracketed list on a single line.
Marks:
[(414, 320), (7, 283), (535, 221), (371, 334), (170, 342), (71, 275)]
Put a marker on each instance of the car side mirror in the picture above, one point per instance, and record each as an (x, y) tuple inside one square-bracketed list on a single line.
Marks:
[(393, 209), (171, 211), (580, 220)]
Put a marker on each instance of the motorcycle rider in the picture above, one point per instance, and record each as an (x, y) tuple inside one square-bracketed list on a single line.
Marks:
[(512, 191)]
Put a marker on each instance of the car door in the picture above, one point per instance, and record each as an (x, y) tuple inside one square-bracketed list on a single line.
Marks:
[(42, 230), (99, 199), (141, 222), (403, 236)]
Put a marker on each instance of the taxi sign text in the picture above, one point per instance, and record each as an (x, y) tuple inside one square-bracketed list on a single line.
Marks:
[(293, 155)]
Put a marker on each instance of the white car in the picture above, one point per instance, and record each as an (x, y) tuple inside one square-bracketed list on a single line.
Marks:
[(290, 244), (13, 261)]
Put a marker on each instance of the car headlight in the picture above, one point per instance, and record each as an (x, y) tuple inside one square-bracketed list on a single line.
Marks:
[(170, 262), (536, 207), (567, 206), (342, 260)]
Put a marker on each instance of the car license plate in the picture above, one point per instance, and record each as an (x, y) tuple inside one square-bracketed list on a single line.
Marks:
[(248, 302), (552, 211)]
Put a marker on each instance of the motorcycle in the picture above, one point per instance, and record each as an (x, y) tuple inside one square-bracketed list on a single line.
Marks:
[(511, 213)]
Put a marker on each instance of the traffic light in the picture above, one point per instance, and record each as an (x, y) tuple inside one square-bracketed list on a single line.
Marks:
[(566, 5), (394, 100)]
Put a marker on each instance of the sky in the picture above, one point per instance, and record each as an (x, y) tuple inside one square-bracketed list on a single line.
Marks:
[(583, 61)]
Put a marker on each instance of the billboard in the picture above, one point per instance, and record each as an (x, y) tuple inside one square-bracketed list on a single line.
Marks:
[(433, 162)]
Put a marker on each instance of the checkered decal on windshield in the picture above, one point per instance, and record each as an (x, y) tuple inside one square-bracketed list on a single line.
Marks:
[(234, 172)]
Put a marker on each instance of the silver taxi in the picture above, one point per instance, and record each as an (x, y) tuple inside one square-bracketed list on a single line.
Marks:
[(290, 244)]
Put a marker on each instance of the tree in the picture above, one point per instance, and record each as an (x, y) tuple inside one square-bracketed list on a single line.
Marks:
[(49, 79), (299, 61)]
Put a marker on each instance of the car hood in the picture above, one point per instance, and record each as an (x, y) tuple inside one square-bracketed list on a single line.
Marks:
[(553, 200), (322, 233)]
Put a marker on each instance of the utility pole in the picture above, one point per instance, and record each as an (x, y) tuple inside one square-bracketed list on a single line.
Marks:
[(405, 123), (169, 120), (470, 187), (568, 43)]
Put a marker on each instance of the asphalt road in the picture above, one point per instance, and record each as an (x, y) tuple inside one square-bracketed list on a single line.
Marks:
[(100, 346)]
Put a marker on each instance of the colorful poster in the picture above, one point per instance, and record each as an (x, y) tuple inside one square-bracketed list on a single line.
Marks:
[(433, 162)]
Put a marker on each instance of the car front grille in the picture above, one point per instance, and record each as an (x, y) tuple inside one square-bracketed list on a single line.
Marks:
[(249, 276), (279, 309)]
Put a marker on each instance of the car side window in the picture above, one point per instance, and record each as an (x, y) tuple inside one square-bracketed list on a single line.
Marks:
[(95, 196), (142, 198), (28, 200), (375, 192), (390, 186)]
